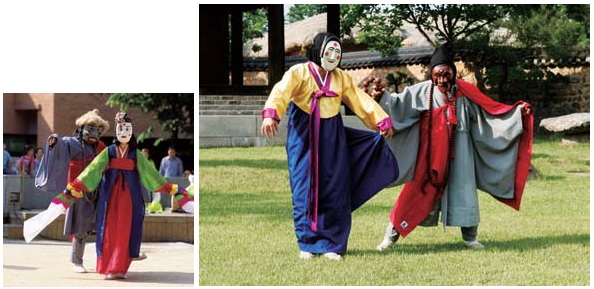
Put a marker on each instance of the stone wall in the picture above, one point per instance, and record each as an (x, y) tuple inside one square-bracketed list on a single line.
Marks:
[(574, 95), (418, 72), (244, 130)]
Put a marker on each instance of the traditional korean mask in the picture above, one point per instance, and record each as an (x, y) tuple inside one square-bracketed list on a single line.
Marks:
[(331, 55), (124, 131), (443, 77), (90, 133)]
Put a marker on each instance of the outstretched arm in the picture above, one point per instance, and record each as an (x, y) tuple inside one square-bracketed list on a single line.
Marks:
[(155, 182), (366, 108)]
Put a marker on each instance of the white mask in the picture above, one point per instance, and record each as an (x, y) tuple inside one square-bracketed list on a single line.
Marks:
[(124, 132), (331, 55)]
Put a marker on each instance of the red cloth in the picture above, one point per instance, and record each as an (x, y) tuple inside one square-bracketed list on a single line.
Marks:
[(118, 221), (76, 166), (122, 164), (418, 196)]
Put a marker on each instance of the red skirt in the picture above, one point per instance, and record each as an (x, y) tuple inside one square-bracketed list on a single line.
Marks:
[(118, 221)]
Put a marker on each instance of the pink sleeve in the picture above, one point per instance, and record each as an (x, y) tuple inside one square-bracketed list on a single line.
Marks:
[(270, 113), (385, 124)]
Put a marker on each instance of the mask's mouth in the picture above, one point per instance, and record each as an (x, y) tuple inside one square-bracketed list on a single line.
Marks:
[(92, 139)]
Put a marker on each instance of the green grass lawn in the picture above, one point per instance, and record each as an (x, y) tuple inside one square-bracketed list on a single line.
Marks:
[(247, 236)]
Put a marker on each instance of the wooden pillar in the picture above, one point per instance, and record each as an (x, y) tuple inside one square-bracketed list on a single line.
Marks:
[(276, 43), (214, 45), (333, 19), (236, 48)]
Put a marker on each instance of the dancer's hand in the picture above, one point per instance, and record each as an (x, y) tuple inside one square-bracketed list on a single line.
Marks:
[(387, 133), (51, 141), (526, 108), (269, 127), (184, 200), (66, 199)]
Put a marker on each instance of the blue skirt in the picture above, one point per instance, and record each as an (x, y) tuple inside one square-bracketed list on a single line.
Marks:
[(354, 165)]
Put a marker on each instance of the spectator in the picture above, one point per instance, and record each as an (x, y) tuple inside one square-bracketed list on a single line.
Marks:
[(7, 169), (171, 167), (147, 154), (26, 163)]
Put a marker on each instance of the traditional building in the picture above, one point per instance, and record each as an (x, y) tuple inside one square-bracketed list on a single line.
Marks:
[(229, 113)]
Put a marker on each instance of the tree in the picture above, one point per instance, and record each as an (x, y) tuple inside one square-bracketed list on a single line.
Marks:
[(378, 25), (452, 22), (555, 27), (173, 111), (299, 12), (449, 23), (255, 24), (537, 31)]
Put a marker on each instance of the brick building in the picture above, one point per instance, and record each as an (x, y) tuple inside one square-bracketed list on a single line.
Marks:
[(29, 118)]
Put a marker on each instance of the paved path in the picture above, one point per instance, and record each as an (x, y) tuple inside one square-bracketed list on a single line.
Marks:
[(47, 263)]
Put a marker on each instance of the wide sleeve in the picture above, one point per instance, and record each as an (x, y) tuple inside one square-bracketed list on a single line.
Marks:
[(365, 107), (150, 178), (405, 110), (496, 140), (52, 175), (278, 101)]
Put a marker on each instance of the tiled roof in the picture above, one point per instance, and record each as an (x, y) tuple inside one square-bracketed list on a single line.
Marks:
[(409, 56), (354, 60)]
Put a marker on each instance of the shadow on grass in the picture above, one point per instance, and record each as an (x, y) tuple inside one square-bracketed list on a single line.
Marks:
[(553, 178), (521, 245), (258, 164), (374, 209), (540, 156), (230, 204)]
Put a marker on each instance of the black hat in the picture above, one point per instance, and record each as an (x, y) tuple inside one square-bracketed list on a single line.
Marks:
[(443, 55), (314, 53)]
